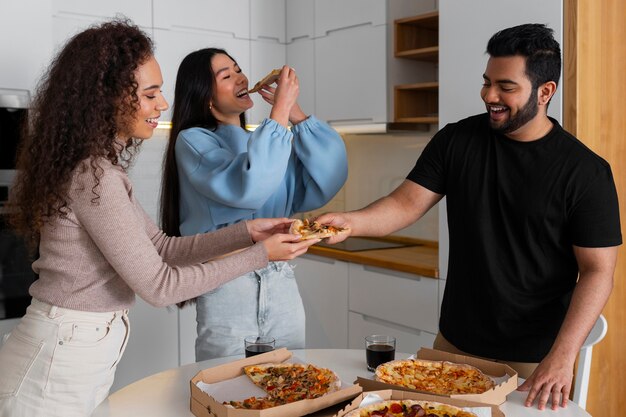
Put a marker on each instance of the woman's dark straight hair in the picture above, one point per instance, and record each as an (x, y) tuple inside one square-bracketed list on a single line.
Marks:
[(195, 87)]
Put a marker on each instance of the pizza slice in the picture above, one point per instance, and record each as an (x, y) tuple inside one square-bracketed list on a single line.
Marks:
[(313, 230), (290, 382), (409, 408), (270, 78), (255, 403)]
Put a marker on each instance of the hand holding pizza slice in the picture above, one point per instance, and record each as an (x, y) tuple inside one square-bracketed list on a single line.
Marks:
[(309, 229)]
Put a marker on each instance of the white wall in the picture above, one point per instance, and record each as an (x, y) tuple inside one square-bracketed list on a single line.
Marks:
[(464, 30)]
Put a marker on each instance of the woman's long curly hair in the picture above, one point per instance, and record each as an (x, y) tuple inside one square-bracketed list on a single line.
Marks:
[(86, 99)]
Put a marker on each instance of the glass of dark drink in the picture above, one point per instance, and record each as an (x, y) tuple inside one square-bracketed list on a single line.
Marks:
[(256, 345), (379, 349)]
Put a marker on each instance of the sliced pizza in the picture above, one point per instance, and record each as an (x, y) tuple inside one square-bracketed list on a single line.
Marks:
[(286, 383), (270, 78), (437, 377), (409, 408), (293, 381), (313, 230)]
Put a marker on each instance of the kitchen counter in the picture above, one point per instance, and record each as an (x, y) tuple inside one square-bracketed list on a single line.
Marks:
[(418, 257)]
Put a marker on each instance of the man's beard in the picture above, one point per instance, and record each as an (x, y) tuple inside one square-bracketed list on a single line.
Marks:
[(525, 115)]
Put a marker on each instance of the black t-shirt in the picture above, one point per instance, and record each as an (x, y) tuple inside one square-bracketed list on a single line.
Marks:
[(514, 211)]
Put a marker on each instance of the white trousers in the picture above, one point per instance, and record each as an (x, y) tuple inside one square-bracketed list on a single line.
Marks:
[(60, 362)]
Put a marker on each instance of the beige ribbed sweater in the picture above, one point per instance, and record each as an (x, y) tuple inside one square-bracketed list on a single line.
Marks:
[(104, 252)]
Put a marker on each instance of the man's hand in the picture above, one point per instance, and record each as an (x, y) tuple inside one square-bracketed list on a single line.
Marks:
[(552, 377), (338, 220)]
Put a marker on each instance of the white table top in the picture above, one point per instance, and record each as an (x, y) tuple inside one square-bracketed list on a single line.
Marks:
[(166, 393)]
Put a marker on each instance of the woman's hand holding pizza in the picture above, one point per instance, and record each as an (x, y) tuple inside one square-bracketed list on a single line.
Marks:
[(261, 229), (284, 247), (284, 96)]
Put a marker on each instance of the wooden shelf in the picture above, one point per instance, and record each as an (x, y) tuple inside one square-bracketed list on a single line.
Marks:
[(417, 38), (417, 103)]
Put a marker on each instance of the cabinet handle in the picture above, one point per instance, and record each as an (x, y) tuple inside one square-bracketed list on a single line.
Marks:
[(319, 259), (404, 275), (328, 32), (400, 327)]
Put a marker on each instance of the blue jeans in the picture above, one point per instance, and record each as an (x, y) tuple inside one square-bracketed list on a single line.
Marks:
[(265, 302)]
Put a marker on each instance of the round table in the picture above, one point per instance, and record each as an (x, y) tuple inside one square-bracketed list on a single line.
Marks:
[(166, 393)]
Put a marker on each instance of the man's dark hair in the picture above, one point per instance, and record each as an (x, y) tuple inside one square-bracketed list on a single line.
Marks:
[(536, 43)]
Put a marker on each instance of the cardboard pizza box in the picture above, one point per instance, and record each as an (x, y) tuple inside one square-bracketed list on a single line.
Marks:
[(391, 394), (204, 405), (505, 375)]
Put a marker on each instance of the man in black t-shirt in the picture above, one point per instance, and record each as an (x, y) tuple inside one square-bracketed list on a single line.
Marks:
[(533, 221)]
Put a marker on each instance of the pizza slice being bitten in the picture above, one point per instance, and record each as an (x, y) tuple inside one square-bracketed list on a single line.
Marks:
[(313, 230), (267, 80)]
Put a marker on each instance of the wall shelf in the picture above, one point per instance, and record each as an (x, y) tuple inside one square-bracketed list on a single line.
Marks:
[(417, 103), (417, 38)]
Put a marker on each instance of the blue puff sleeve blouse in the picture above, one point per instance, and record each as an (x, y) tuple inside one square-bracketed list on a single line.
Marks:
[(231, 174)]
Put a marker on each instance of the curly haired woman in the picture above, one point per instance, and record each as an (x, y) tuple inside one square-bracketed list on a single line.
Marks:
[(97, 247)]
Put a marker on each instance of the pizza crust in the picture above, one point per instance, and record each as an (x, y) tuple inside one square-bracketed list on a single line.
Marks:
[(436, 408), (270, 78)]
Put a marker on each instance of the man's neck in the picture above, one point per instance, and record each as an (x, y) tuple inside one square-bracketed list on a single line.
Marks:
[(533, 130)]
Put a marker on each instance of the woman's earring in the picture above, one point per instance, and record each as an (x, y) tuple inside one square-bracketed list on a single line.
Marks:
[(210, 106)]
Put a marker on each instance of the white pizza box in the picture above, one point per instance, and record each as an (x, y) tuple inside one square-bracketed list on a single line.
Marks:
[(392, 394), (204, 405), (504, 375)]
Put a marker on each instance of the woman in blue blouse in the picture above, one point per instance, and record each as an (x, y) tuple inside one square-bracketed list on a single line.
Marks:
[(217, 173)]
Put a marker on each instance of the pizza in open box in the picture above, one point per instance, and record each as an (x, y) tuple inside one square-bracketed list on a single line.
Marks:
[(409, 408), (287, 382), (437, 377)]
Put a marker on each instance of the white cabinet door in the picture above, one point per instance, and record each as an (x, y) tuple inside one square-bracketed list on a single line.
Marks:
[(396, 297), (323, 284), (173, 45), (301, 57), (351, 80), (332, 15), (139, 11), (153, 344), (265, 56), (267, 20), (300, 19), (26, 48), (204, 15), (408, 340), (187, 333)]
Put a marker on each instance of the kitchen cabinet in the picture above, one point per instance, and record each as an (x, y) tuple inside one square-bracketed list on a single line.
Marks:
[(417, 38), (204, 15), (332, 15), (396, 297), (323, 284), (299, 22), (350, 80), (301, 57), (26, 47), (408, 339), (346, 301), (139, 11), (267, 20)]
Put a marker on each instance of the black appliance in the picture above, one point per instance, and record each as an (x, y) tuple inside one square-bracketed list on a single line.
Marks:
[(16, 274)]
